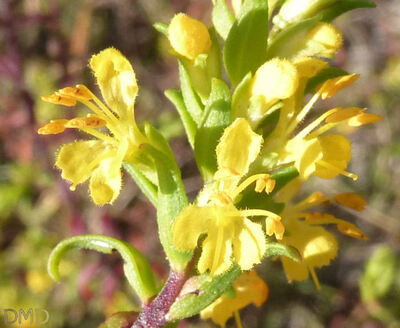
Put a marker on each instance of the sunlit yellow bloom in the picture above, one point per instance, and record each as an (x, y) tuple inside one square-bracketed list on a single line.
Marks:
[(100, 160), (249, 288), (274, 80), (188, 36), (304, 232), (312, 151), (38, 281), (229, 231)]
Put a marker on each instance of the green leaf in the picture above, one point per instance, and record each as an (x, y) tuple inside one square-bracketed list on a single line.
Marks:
[(144, 184), (380, 274), (246, 45), (175, 96), (276, 249), (208, 291), (240, 98), (222, 18), (283, 176), (190, 98), (321, 77), (171, 201), (136, 268), (342, 7), (216, 118)]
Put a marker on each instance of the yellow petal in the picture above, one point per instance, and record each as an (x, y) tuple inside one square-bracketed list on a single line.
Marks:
[(316, 246), (351, 200), (78, 160), (248, 244), (216, 252), (192, 222), (336, 152), (188, 36), (333, 86), (276, 79), (308, 66), (306, 153), (364, 118), (238, 136), (116, 79), (249, 288), (91, 121), (54, 127), (59, 100), (105, 182)]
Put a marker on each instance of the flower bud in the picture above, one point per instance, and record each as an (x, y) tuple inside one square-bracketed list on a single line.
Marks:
[(188, 36), (296, 10)]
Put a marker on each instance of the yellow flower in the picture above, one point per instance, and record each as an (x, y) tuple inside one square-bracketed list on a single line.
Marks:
[(249, 288), (229, 231), (101, 159), (188, 36), (316, 246), (311, 150), (324, 39)]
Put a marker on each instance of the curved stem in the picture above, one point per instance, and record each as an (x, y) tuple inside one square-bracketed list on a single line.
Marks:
[(154, 314)]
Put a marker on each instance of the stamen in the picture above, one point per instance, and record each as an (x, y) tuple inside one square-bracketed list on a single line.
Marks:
[(351, 200), (59, 100), (259, 212), (237, 319), (334, 168), (91, 121), (316, 122), (54, 127), (79, 92), (302, 114), (314, 277), (333, 86), (364, 118), (344, 114), (247, 183), (313, 200)]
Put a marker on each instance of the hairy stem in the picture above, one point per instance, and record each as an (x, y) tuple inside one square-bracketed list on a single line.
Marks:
[(154, 314)]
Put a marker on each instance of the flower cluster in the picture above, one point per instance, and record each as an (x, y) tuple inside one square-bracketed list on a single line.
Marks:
[(254, 144)]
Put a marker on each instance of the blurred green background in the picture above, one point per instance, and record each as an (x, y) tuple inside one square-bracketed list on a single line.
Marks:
[(46, 44)]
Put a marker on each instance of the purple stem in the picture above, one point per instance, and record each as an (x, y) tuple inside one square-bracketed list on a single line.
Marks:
[(154, 314)]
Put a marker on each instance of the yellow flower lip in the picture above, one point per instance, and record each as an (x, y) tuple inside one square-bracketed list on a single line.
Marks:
[(188, 36)]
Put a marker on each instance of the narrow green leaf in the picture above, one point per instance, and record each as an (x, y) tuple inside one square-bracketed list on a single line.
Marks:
[(190, 98), (175, 96), (208, 292), (216, 118), (276, 249), (136, 268), (222, 18), (283, 176), (342, 7), (321, 77), (162, 28), (240, 98), (144, 184), (246, 45), (171, 201)]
